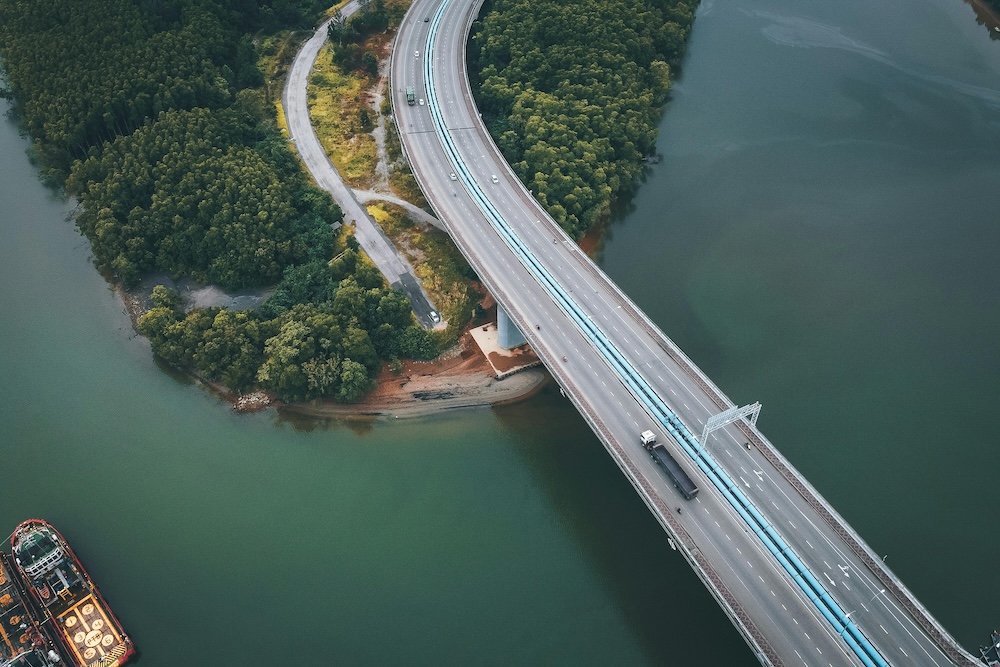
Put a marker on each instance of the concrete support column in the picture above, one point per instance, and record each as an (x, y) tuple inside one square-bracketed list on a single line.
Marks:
[(508, 335)]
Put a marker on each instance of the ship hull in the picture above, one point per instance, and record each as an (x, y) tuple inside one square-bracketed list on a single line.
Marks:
[(90, 634)]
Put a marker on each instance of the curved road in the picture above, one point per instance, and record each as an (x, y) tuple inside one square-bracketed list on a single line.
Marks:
[(776, 618), (383, 253)]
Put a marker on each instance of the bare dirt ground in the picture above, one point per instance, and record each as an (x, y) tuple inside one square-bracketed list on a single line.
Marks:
[(381, 183), (460, 378)]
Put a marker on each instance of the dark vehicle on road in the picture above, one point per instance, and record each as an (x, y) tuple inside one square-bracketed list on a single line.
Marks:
[(677, 474)]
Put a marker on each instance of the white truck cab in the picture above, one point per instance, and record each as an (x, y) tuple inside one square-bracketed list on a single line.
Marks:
[(648, 438)]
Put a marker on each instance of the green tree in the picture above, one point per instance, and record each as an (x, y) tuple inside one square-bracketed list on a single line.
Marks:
[(354, 381), (572, 94)]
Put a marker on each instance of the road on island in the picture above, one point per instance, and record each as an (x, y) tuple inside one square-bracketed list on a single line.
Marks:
[(463, 176), (396, 269)]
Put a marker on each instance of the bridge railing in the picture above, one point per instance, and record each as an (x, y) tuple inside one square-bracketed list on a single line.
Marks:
[(930, 625), (837, 523)]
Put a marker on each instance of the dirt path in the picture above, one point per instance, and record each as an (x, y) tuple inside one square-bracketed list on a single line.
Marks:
[(381, 183)]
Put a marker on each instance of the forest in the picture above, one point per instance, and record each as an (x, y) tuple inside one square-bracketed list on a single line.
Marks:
[(151, 112), (573, 93)]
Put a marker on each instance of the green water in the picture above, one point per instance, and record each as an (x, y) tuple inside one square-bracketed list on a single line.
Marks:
[(824, 219), (484, 537)]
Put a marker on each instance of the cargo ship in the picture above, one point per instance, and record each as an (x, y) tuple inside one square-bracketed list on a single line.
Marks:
[(22, 643), (80, 619)]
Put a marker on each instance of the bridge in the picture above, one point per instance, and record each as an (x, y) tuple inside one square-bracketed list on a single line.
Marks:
[(798, 583)]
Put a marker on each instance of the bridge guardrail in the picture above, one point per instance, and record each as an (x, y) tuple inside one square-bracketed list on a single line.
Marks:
[(834, 520), (795, 479)]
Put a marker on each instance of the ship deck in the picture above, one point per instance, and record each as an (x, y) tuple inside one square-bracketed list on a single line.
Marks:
[(14, 639), (91, 635)]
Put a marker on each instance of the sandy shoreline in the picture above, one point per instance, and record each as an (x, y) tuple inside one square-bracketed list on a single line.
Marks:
[(460, 378)]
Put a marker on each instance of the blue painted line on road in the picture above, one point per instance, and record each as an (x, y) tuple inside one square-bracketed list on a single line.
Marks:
[(780, 550)]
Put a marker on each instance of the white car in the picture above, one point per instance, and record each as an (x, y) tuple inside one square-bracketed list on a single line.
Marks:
[(435, 316), (421, 101), (494, 178), (452, 176)]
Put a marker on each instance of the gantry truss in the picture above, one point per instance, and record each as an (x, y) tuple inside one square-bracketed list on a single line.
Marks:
[(726, 418)]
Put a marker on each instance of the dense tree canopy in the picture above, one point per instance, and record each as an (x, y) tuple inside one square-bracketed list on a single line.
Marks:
[(185, 194), (573, 93), (325, 332), (86, 71), (148, 108)]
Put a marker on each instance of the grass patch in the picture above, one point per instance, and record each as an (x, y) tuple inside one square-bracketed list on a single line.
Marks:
[(275, 55), (404, 185), (401, 179), (335, 102), (438, 263), (280, 118)]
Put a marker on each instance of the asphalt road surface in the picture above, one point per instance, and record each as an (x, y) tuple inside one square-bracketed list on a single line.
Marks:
[(767, 606), (383, 253)]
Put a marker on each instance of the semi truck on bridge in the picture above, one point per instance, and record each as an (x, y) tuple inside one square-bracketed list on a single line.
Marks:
[(680, 478)]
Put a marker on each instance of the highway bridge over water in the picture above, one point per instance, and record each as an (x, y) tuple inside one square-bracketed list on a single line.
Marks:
[(800, 585)]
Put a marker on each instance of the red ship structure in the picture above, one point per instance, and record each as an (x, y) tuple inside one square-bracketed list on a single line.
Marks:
[(22, 642), (71, 605)]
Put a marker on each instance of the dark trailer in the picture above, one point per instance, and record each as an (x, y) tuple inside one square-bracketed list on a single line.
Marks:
[(681, 479)]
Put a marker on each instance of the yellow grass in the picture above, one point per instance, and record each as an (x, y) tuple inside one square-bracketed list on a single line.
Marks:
[(282, 123), (276, 53), (335, 99), (438, 264)]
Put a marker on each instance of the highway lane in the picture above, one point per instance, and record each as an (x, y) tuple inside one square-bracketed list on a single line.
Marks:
[(380, 249), (891, 613), (729, 545), (814, 541)]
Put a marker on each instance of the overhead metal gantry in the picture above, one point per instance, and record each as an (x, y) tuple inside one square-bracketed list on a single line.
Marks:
[(728, 417)]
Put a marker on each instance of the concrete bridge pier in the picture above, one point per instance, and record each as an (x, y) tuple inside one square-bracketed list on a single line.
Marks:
[(508, 335)]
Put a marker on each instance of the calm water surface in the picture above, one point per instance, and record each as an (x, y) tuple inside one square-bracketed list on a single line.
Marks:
[(824, 217)]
